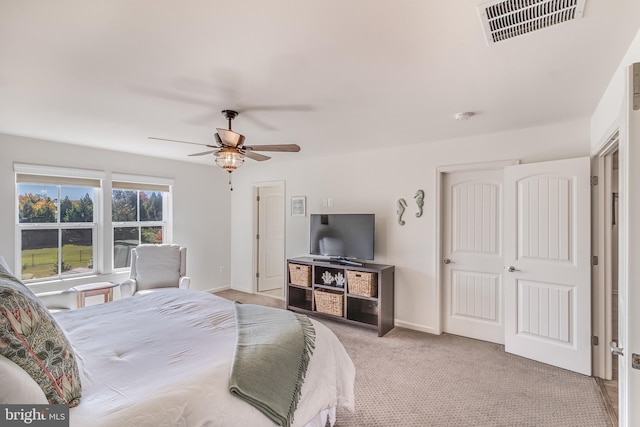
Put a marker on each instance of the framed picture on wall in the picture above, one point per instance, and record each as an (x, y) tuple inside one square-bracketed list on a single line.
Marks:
[(298, 206)]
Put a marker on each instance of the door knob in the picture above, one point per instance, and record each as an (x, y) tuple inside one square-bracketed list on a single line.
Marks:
[(615, 350), (447, 261), (512, 269)]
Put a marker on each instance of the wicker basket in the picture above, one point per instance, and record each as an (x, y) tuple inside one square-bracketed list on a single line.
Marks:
[(362, 284), (300, 274), (329, 302)]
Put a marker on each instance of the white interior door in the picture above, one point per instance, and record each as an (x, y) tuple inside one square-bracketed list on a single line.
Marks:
[(270, 238), (547, 284), (629, 255), (473, 259)]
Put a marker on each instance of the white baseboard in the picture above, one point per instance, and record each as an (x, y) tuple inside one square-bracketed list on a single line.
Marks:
[(214, 290), (415, 327), (399, 323)]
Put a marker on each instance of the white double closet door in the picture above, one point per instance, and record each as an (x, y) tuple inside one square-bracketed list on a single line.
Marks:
[(516, 259), (473, 263)]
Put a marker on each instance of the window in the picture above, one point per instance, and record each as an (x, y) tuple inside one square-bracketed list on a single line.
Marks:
[(139, 213), (56, 222), (59, 220)]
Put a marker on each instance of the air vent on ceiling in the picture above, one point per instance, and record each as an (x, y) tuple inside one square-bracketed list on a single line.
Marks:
[(504, 19)]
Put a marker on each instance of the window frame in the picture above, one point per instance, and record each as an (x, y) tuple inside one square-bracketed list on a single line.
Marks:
[(59, 177), (147, 184)]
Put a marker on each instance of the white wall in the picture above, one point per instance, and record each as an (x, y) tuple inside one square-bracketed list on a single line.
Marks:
[(369, 182), (372, 182), (607, 116), (200, 203)]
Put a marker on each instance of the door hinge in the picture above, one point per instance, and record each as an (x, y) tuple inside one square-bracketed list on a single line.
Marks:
[(257, 198), (594, 180), (636, 86), (635, 361), (257, 237), (594, 260), (257, 275), (594, 340)]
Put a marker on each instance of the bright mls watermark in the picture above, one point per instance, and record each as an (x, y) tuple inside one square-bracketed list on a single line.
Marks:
[(34, 415)]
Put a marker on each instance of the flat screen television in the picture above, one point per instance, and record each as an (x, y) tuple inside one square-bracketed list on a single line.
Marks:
[(342, 236)]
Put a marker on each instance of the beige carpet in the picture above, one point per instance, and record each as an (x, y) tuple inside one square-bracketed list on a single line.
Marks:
[(409, 378)]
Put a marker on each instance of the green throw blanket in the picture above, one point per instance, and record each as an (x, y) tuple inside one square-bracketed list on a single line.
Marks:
[(273, 349)]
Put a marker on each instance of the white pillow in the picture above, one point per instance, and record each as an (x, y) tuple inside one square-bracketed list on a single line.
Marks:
[(17, 386), (157, 266)]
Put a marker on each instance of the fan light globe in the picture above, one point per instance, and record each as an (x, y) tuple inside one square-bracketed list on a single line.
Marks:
[(229, 159)]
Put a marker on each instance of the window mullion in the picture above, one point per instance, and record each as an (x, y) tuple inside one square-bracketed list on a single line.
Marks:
[(57, 204), (151, 223), (38, 226), (138, 218), (59, 220), (59, 252)]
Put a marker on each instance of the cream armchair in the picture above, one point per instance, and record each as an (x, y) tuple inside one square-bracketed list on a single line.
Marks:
[(154, 268)]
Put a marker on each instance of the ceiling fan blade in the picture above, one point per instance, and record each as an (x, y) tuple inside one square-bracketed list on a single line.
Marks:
[(256, 156), (204, 153), (230, 138), (182, 142), (291, 148), (264, 125), (284, 108), (171, 96), (204, 118)]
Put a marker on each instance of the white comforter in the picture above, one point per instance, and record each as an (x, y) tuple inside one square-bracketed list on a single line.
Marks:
[(164, 359)]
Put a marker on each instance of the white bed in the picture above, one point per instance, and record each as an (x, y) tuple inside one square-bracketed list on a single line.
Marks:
[(164, 359)]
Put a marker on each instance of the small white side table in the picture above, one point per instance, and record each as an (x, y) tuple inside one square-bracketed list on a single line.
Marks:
[(92, 289)]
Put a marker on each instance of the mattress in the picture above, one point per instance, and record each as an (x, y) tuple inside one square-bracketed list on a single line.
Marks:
[(163, 359)]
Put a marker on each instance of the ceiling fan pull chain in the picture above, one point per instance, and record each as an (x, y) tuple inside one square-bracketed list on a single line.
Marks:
[(230, 186)]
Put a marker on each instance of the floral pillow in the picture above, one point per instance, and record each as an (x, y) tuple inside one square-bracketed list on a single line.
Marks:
[(31, 338)]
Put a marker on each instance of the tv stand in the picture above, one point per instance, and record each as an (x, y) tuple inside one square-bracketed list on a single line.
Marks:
[(375, 312)]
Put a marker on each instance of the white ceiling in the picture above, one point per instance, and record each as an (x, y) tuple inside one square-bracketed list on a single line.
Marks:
[(331, 74)]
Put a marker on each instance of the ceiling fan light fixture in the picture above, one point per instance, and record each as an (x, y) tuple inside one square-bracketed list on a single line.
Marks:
[(229, 159), (230, 150), (230, 138)]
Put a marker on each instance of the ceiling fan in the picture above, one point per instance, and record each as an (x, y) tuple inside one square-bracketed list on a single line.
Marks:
[(230, 150)]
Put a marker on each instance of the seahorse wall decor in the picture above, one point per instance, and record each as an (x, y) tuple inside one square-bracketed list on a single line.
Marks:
[(402, 205), (419, 201)]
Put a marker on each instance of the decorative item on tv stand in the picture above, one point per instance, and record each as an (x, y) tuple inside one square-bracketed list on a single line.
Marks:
[(340, 280), (327, 278)]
